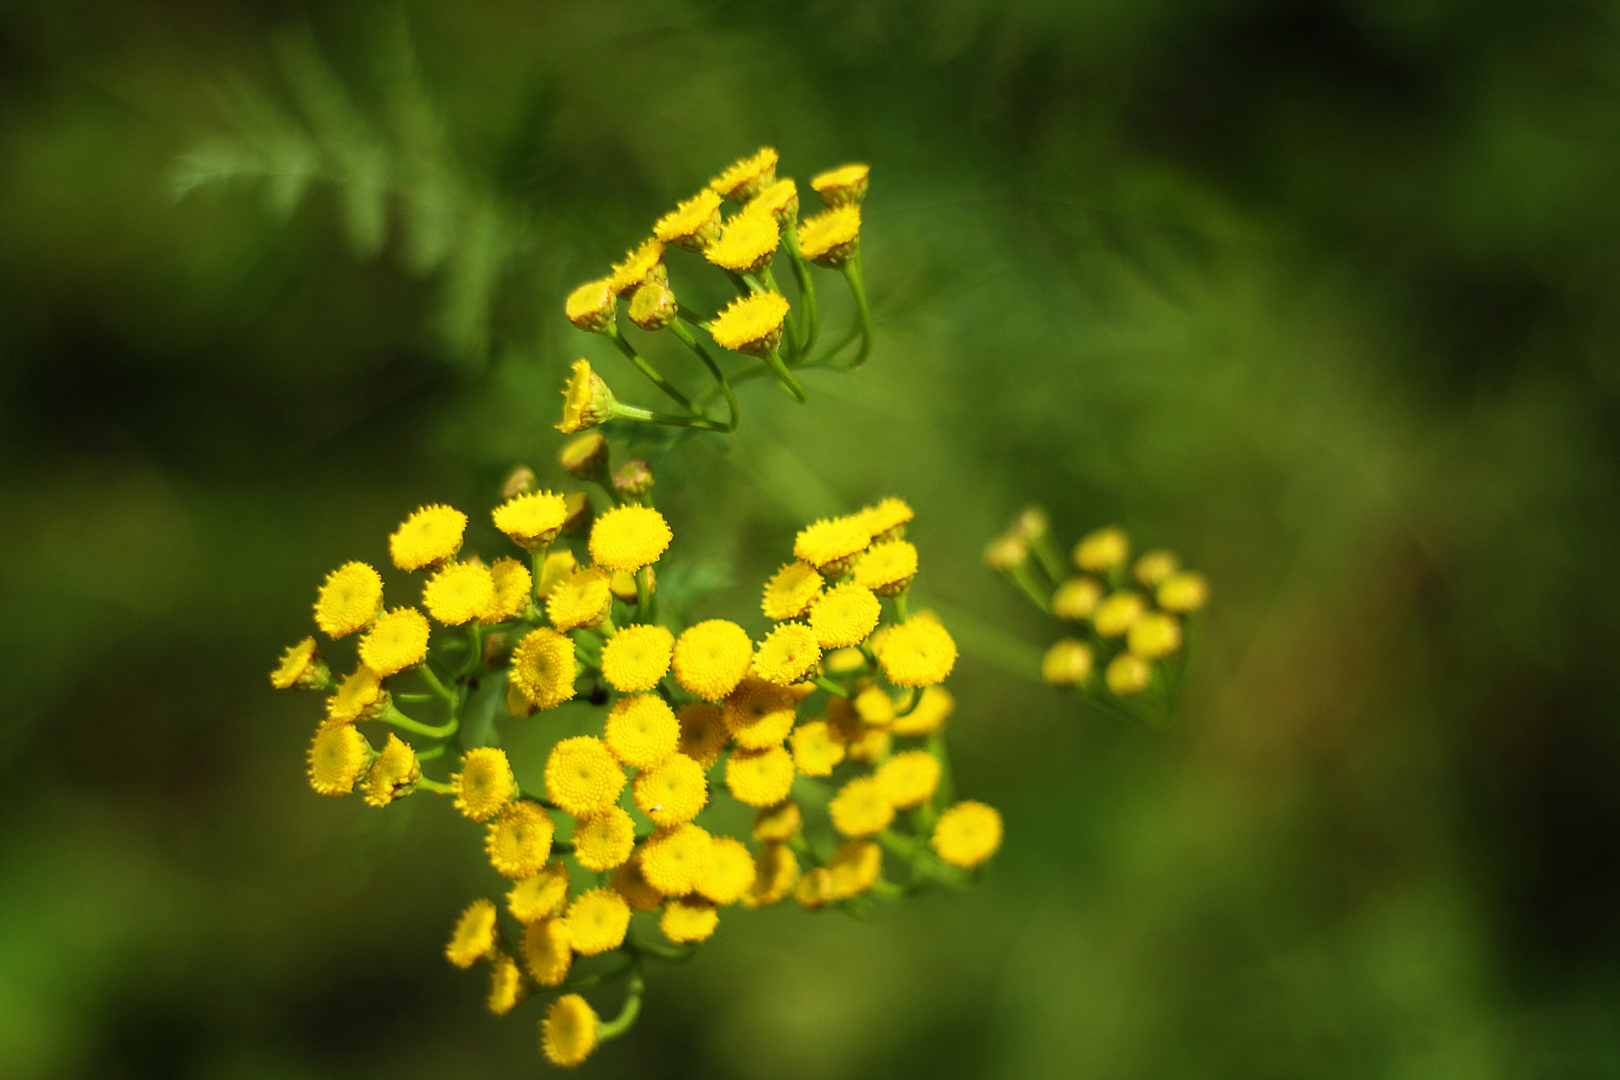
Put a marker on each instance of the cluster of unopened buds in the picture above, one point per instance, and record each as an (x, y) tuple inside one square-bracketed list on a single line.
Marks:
[(828, 728), (760, 322), (1126, 650)]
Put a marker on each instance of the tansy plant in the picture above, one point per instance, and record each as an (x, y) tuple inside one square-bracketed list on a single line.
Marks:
[(829, 729), (1125, 649)]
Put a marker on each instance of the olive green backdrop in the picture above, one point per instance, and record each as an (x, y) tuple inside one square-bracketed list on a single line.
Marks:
[(1326, 297)]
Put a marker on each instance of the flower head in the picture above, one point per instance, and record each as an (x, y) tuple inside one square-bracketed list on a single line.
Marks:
[(967, 834), (828, 544), (604, 839), (1127, 674), (844, 615), (817, 748), (1155, 635), (394, 774), (887, 520), (918, 652), (861, 808), (644, 263), (760, 777), (580, 600), (630, 883), (744, 179), (474, 935), (302, 666), (641, 730), (787, 654), (429, 536), (703, 732), (1183, 592), (909, 779), (1154, 566), (672, 792), (790, 591), (1102, 549), (532, 520), (637, 657), (747, 244), (396, 641), (832, 237), (887, 568), (587, 401), (776, 871), (485, 783), (854, 868), (1077, 598), (653, 306), (629, 537), (1115, 615), (842, 186), (548, 951), (336, 756), (597, 921), (543, 667), (759, 713), (688, 919), (568, 1033), (583, 456), (356, 696), (928, 715), (506, 987), (459, 593), (778, 201), (750, 324), (677, 858), (558, 567), (519, 840), (816, 888), (513, 585), (350, 598), (693, 224), (582, 777), (540, 895), (590, 307), (712, 657), (1066, 663), (778, 824)]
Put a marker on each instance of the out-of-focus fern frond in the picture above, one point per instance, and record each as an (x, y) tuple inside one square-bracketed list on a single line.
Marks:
[(269, 145)]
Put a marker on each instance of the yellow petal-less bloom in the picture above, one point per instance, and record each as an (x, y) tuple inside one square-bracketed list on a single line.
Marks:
[(356, 694), (637, 657), (1154, 566), (790, 590), (1127, 674), (604, 840), (746, 245), (712, 657), (1155, 635), (693, 224), (861, 807), (558, 567), (597, 921), (349, 599), (474, 935), (505, 985), (543, 667), (568, 1033), (788, 653), (485, 783), (778, 824), (540, 895), (886, 520), (930, 714), (779, 202), (653, 306), (844, 615), (776, 871), (1183, 592), (623, 587), (301, 665), (629, 882), (967, 834), (828, 544), (731, 871), (431, 535), (587, 401), (817, 749), (909, 779), (394, 774), (744, 179), (703, 732), (580, 600), (874, 707), (337, 755), (854, 868), (688, 919), (918, 652), (1102, 549), (816, 888), (887, 568), (676, 859), (843, 185), (750, 324), (1077, 598), (396, 641), (519, 840), (641, 730), (673, 792), (591, 306), (582, 777), (532, 520), (1115, 615), (459, 593), (629, 537), (831, 237), (513, 585), (759, 713), (1066, 663), (641, 264), (760, 777), (871, 746), (548, 951)]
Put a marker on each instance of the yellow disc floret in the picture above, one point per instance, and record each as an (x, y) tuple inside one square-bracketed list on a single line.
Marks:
[(356, 695), (1128, 674), (731, 871), (750, 324), (1115, 615), (513, 585), (790, 591), (918, 652), (861, 807), (568, 1033), (543, 667), (540, 895), (759, 713), (778, 824), (787, 654), (712, 657), (519, 840), (641, 730), (760, 777), (348, 600), (747, 243), (547, 950), (485, 783), (844, 615), (673, 792), (641, 264), (474, 935), (532, 520), (744, 179), (776, 871), (637, 657), (580, 600), (431, 535), (829, 543), (967, 834), (604, 840), (887, 520), (843, 185), (929, 714), (506, 987), (1102, 549), (1077, 598), (396, 641), (629, 537), (688, 919), (597, 921), (629, 882), (1066, 663), (587, 401), (459, 593), (1183, 592), (337, 755), (1155, 635), (854, 868), (887, 568), (909, 779), (832, 236), (591, 306), (703, 732), (582, 777), (817, 748), (301, 665), (677, 858), (394, 774), (693, 224)]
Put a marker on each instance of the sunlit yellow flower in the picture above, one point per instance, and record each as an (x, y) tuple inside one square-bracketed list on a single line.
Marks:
[(843, 185), (776, 871), (629, 537), (568, 1033), (597, 921), (790, 591), (1006, 553), (759, 713), (1128, 674), (587, 401), (506, 987), (637, 657), (337, 755), (777, 824), (1066, 663), (394, 774), (580, 600), (703, 732), (778, 201), (396, 641), (1155, 635), (1077, 598), (356, 695), (629, 882), (843, 661), (1102, 549), (642, 730), (548, 952), (694, 224), (788, 653), (929, 714), (817, 748), (886, 520), (918, 652), (871, 745), (641, 264), (540, 895), (731, 871), (590, 307), (349, 599), (604, 839), (887, 568), (828, 544), (519, 840), (831, 237), (712, 657), (474, 935), (1154, 566), (431, 535), (744, 179), (583, 456), (1115, 615), (485, 783), (513, 584), (653, 306), (459, 593), (673, 792), (760, 777), (909, 779), (677, 858), (875, 707), (751, 324), (302, 666), (854, 868), (861, 807), (543, 667), (746, 245), (816, 888), (688, 919), (844, 615), (1183, 592), (532, 520), (967, 834), (582, 777), (558, 567)]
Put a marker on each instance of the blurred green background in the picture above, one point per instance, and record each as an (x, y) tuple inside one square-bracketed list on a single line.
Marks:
[(1325, 296)]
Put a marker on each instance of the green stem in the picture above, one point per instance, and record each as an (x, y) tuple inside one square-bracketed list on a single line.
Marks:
[(672, 953), (644, 595), (1021, 577), (784, 375), (537, 567), (621, 411), (630, 353), (585, 981), (807, 290), (714, 369), (831, 687), (1051, 561), (696, 318), (429, 755), (901, 613), (857, 285), (391, 715), (754, 283), (612, 1029), (428, 784), (475, 647), (433, 682)]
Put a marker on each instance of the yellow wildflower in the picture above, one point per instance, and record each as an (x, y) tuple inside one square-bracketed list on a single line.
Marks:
[(641, 730), (604, 839), (431, 535), (909, 779), (568, 1033), (1006, 553), (688, 919), (830, 543), (843, 661), (861, 807), (776, 871), (302, 666), (759, 713), (967, 834), (623, 587), (394, 774), (1077, 598), (337, 755), (543, 667), (750, 324), (1154, 566), (870, 746), (558, 567), (887, 568), (349, 600), (532, 520), (817, 748), (506, 987), (597, 921), (673, 792), (778, 824), (731, 871), (396, 641), (653, 306), (693, 224), (519, 840), (356, 695), (474, 935), (816, 888), (854, 868), (831, 237), (887, 520), (582, 777), (787, 654), (918, 652), (712, 657), (844, 615), (581, 600), (1066, 663), (744, 179), (929, 714), (590, 307), (677, 858), (760, 777), (583, 456), (842, 186), (513, 583), (629, 882), (1155, 635), (746, 245), (547, 950), (790, 591), (629, 537), (641, 264), (637, 657), (485, 783), (703, 732), (587, 401), (874, 707), (778, 201), (1115, 615), (459, 593), (1127, 674), (1102, 549), (540, 895), (1183, 592)]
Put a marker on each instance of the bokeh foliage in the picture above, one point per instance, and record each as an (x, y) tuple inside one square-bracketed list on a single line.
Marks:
[(1322, 295)]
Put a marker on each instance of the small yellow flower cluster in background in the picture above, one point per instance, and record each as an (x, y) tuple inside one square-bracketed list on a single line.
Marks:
[(764, 231), (1127, 616), (838, 704)]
